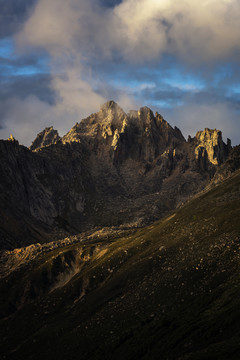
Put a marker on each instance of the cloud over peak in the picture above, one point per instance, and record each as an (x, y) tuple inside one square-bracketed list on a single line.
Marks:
[(137, 29), (101, 49)]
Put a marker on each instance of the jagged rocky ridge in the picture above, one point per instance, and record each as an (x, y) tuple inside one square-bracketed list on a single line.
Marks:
[(112, 168), (47, 137)]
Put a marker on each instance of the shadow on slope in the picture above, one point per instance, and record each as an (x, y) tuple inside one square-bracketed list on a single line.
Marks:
[(169, 291)]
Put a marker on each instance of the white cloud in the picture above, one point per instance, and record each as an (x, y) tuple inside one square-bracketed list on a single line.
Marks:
[(138, 29), (80, 32)]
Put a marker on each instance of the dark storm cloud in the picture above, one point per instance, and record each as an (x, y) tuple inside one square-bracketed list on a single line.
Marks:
[(21, 86), (13, 13), (214, 96), (11, 65), (165, 94), (23, 76), (207, 96), (110, 3)]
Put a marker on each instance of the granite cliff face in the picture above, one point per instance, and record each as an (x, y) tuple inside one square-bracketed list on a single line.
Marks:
[(112, 168)]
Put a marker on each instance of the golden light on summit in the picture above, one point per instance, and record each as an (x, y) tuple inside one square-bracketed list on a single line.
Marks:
[(11, 138)]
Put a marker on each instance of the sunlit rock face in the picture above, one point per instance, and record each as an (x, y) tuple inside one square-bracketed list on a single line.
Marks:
[(111, 168), (98, 128), (47, 137), (12, 139), (138, 135), (210, 146), (128, 154)]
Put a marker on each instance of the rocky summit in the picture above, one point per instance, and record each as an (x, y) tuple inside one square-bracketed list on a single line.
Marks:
[(110, 169), (47, 137)]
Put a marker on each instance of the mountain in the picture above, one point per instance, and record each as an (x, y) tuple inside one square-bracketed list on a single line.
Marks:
[(120, 240), (228, 167), (169, 291), (47, 137), (111, 169)]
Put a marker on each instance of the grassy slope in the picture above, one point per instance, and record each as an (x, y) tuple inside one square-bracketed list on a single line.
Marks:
[(169, 291)]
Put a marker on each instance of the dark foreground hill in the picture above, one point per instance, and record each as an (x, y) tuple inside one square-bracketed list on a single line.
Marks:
[(167, 291)]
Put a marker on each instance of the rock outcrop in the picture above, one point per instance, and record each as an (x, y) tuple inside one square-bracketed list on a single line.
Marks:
[(47, 137), (112, 168), (12, 138), (210, 146), (230, 166)]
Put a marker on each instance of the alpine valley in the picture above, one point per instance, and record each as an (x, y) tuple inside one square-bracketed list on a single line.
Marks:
[(120, 240)]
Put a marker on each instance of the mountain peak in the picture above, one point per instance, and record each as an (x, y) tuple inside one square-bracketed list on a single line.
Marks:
[(209, 134), (109, 158), (110, 105), (112, 108), (210, 145), (46, 137), (145, 114), (145, 110), (12, 139)]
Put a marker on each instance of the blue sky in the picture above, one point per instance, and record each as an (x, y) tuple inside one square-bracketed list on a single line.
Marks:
[(60, 60)]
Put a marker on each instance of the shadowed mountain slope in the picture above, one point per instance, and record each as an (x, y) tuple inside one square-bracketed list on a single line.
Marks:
[(170, 290)]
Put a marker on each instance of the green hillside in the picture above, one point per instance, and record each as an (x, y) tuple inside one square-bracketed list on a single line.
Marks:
[(168, 291)]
